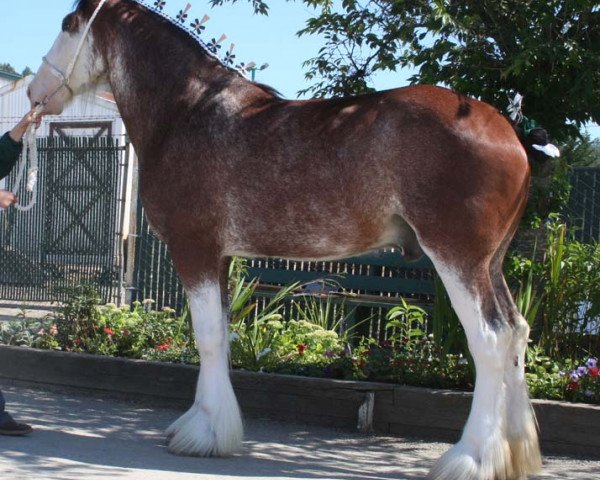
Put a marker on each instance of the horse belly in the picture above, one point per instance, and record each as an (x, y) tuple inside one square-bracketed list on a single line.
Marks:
[(332, 238)]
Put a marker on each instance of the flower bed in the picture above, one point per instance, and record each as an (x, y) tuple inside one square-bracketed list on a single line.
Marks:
[(299, 347)]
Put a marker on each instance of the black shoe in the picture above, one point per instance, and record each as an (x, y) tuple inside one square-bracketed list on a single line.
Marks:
[(16, 429)]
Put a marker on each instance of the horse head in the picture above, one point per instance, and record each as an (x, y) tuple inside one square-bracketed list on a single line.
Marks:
[(73, 64)]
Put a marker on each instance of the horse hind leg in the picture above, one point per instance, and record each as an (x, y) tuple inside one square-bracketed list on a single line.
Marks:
[(213, 425), (483, 452), (521, 426)]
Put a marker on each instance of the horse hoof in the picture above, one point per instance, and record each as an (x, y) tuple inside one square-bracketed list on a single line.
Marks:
[(196, 434), (491, 461)]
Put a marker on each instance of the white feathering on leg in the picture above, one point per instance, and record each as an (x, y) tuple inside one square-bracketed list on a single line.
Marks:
[(213, 426)]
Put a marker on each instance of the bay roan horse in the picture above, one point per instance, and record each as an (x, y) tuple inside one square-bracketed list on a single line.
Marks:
[(227, 167)]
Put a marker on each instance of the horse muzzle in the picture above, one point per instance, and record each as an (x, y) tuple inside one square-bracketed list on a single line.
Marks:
[(48, 92)]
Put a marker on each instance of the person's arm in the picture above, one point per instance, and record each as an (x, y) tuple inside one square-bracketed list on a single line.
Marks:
[(10, 143)]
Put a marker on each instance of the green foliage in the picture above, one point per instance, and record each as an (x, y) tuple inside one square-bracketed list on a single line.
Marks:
[(421, 363), (576, 381), (253, 330), (559, 296), (581, 151), (7, 67), (306, 342), (543, 376), (16, 333), (82, 325), (328, 315), (407, 325)]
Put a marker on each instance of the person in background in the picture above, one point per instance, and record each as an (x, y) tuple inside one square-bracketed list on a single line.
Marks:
[(10, 148)]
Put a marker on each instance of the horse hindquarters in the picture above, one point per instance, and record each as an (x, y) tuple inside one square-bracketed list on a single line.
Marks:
[(213, 425)]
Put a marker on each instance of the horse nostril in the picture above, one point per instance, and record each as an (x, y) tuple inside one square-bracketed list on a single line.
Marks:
[(35, 104)]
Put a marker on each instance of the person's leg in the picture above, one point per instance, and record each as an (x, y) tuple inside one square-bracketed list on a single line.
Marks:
[(4, 416), (7, 425)]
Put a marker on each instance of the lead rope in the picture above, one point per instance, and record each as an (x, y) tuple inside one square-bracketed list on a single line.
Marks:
[(30, 137), (29, 149)]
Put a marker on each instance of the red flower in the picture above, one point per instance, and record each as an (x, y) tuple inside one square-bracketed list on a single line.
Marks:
[(163, 347), (77, 341), (301, 348), (572, 386), (593, 372), (361, 363), (108, 331)]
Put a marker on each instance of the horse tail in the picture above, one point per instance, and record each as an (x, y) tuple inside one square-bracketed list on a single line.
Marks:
[(537, 145)]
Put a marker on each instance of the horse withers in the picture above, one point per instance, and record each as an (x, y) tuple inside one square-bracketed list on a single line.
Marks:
[(227, 167)]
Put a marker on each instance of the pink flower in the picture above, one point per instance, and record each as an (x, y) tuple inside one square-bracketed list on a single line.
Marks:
[(108, 331), (53, 330), (593, 372), (163, 347), (41, 332)]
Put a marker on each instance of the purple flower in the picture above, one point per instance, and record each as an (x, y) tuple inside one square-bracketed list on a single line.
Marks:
[(582, 371), (588, 393), (592, 363), (329, 354), (574, 376)]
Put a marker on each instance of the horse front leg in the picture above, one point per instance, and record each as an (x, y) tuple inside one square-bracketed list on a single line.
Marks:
[(213, 425)]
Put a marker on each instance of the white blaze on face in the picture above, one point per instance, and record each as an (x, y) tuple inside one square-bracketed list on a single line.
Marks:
[(49, 77)]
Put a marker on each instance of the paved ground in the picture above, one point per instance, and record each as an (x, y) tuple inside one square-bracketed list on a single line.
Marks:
[(83, 435)]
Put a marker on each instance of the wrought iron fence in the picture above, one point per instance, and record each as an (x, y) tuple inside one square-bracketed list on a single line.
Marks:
[(70, 237), (154, 276), (583, 209)]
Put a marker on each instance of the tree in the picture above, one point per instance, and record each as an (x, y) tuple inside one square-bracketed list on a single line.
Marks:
[(7, 67), (548, 50)]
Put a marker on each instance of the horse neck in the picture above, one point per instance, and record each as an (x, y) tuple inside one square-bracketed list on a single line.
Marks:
[(160, 76)]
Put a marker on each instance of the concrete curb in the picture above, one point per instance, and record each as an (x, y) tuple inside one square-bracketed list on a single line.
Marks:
[(385, 408)]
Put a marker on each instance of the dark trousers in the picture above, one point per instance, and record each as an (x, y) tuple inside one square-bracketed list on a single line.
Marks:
[(4, 416)]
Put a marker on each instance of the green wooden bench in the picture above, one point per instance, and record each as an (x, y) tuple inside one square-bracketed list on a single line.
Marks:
[(377, 279)]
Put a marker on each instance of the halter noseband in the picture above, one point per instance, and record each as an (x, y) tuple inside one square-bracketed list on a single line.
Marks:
[(57, 72)]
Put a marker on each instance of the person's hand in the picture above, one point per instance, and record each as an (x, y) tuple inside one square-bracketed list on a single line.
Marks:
[(7, 199), (31, 117)]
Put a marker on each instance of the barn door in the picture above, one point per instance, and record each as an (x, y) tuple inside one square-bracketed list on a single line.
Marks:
[(81, 212)]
